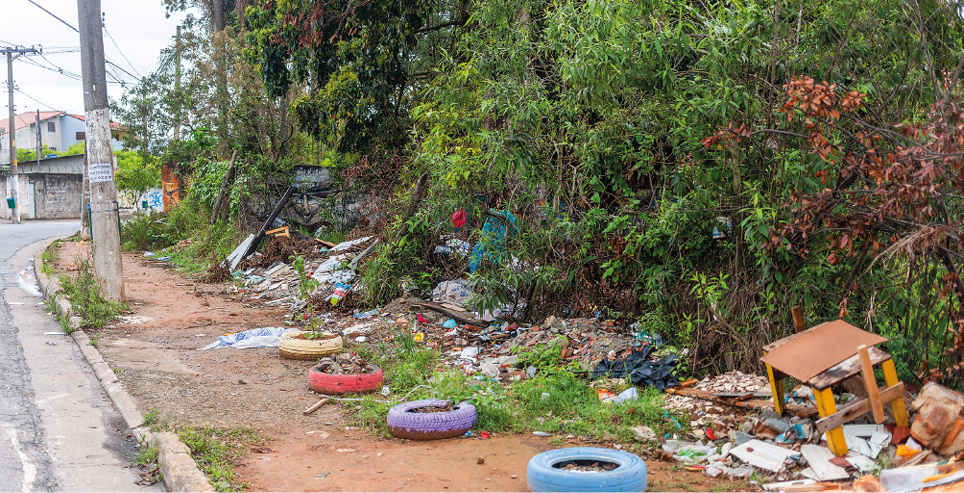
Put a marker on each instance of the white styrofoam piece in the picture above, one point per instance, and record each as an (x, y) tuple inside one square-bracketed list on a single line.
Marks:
[(784, 484), (861, 462), (819, 460), (809, 474), (878, 441), (763, 455), (858, 445), (863, 431)]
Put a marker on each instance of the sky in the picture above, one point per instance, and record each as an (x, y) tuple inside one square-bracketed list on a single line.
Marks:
[(139, 27)]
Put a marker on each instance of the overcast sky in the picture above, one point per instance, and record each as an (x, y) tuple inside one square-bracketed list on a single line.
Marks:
[(138, 26)]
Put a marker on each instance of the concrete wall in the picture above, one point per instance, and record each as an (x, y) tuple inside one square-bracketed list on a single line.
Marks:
[(65, 164), (56, 195)]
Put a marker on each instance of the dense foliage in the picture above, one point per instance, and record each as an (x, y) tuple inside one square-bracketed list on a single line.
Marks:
[(697, 167)]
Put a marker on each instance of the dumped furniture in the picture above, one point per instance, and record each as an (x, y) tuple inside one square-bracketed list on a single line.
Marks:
[(827, 355)]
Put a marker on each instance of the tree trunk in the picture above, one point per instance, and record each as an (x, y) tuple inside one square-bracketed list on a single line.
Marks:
[(220, 202)]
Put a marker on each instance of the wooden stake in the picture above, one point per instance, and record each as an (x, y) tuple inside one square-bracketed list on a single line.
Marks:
[(315, 407), (870, 383), (797, 319)]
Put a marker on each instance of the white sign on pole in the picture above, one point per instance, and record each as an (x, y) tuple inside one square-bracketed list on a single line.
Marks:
[(98, 172)]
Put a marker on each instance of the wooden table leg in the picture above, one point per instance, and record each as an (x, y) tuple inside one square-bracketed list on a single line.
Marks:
[(776, 386), (890, 376), (825, 405)]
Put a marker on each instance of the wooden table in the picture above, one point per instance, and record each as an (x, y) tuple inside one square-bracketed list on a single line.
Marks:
[(826, 355)]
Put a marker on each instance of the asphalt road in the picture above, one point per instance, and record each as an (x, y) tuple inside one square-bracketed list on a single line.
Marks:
[(58, 429)]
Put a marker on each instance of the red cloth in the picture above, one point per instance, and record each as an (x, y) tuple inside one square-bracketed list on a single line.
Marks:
[(458, 218)]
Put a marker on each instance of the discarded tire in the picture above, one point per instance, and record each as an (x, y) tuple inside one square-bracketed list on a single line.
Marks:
[(294, 347), (543, 474), (325, 383), (403, 422)]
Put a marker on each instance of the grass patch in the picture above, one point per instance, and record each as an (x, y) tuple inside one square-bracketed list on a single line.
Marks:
[(556, 400), (146, 460), (87, 299), (49, 257), (218, 451), (151, 418)]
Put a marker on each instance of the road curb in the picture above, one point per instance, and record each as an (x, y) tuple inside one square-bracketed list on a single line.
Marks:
[(177, 467)]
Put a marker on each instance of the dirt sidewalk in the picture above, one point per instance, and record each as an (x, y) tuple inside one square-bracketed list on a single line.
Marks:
[(155, 353)]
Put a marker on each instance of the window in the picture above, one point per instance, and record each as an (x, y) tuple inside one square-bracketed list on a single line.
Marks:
[(52, 149), (81, 136), (51, 127)]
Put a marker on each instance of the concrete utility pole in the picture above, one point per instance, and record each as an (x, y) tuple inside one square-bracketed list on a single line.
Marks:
[(13, 181), (100, 168), (36, 120)]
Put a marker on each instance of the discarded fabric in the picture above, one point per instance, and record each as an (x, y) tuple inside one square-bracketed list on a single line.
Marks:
[(252, 338), (657, 374)]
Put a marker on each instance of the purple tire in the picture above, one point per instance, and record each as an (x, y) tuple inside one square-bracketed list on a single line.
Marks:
[(404, 423)]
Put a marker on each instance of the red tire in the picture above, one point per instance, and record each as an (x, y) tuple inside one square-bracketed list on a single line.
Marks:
[(325, 383)]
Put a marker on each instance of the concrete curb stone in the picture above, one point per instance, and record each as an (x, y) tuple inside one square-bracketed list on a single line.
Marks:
[(177, 467)]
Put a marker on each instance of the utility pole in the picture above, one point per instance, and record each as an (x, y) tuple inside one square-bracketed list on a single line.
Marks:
[(100, 159), (36, 120), (14, 178)]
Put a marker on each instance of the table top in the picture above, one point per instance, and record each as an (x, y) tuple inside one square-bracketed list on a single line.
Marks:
[(813, 352)]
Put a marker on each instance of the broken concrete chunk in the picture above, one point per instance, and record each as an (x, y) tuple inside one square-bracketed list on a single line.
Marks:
[(932, 427), (936, 395)]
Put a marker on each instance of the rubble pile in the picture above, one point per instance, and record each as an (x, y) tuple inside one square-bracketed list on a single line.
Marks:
[(344, 364)]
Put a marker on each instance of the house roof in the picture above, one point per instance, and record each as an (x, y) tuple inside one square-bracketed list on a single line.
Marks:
[(26, 119), (113, 125)]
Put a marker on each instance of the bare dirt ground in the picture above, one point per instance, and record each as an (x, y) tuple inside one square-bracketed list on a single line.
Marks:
[(154, 350)]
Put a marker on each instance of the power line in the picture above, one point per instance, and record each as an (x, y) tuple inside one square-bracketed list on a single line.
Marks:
[(36, 101), (54, 16), (119, 50), (118, 67)]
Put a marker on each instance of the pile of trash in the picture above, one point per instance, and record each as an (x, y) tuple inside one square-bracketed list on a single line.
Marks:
[(344, 364), (790, 451), (329, 270)]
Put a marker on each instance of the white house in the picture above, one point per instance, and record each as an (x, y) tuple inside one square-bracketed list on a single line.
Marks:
[(58, 131)]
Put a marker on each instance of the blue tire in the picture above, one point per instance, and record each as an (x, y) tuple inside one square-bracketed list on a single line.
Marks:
[(629, 476)]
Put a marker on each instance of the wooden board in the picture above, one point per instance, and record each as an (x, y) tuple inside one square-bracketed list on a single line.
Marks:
[(460, 317), (807, 354), (803, 412), (857, 408), (846, 369)]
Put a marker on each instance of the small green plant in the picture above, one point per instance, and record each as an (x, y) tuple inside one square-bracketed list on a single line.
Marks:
[(152, 417), (306, 285), (118, 371), (49, 257), (146, 460), (93, 340)]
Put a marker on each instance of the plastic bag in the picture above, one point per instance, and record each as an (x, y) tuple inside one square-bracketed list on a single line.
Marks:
[(261, 337)]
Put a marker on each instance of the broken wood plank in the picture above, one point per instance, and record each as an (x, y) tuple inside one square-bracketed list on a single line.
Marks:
[(846, 369), (284, 231), (689, 383), (315, 407), (870, 384), (852, 410), (327, 244), (459, 317)]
